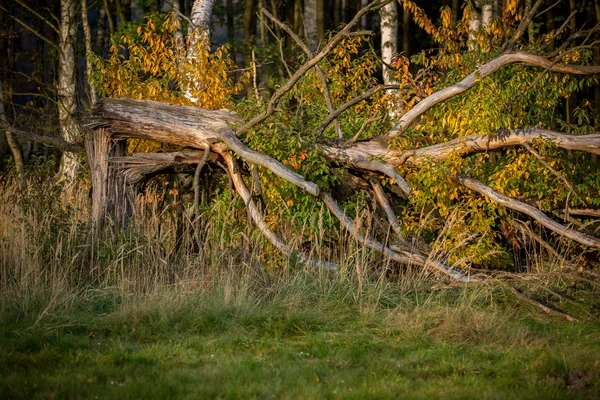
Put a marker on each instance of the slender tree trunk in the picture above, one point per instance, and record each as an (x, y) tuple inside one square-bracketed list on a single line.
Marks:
[(474, 25), (67, 87), (199, 29), (389, 47), (179, 31), (261, 22), (247, 23), (389, 38), (320, 21), (597, 62), (13, 144), (111, 24), (337, 13), (455, 9), (298, 17), (230, 22), (88, 52), (363, 19), (310, 23), (121, 12), (405, 31)]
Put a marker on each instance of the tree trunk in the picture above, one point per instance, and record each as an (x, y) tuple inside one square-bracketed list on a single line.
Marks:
[(405, 32), (88, 52), (111, 195), (11, 141), (310, 24), (66, 89), (247, 23), (389, 39)]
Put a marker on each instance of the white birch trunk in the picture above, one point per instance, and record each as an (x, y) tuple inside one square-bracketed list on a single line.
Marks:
[(389, 46), (66, 89), (199, 29)]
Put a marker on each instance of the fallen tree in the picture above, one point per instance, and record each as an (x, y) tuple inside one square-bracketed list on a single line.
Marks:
[(221, 137)]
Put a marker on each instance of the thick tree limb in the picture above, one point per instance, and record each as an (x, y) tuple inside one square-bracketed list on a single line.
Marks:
[(482, 72), (531, 211), (465, 146), (187, 127), (405, 258), (258, 218)]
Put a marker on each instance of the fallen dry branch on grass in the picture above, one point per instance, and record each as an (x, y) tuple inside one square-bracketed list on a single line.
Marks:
[(218, 133)]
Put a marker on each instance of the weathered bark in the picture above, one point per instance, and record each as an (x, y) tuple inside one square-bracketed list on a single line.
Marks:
[(187, 127), (531, 211), (66, 87), (111, 194), (51, 141), (482, 72), (138, 167), (464, 146)]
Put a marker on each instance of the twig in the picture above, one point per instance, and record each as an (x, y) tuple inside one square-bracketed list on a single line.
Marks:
[(332, 116)]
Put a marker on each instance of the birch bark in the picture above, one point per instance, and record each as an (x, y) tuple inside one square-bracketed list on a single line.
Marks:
[(66, 88)]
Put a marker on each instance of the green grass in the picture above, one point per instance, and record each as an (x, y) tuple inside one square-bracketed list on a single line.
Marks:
[(303, 337)]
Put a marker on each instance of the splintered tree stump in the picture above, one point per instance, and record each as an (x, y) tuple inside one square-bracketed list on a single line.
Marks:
[(111, 195)]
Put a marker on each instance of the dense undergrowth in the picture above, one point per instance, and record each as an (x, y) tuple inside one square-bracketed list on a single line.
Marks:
[(146, 313)]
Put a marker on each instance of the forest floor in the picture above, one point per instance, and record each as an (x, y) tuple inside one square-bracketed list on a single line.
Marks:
[(312, 338)]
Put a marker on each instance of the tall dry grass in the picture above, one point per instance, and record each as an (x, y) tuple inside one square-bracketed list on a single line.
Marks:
[(49, 262)]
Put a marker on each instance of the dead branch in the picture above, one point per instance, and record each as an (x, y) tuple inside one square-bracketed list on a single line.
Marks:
[(405, 258), (531, 211), (187, 127), (332, 116), (310, 64), (257, 217), (482, 72), (465, 146), (56, 142), (539, 305), (320, 72), (525, 22)]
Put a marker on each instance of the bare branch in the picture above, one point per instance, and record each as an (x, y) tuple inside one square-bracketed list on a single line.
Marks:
[(309, 53), (406, 258), (482, 72), (531, 211), (30, 29), (332, 116), (539, 305), (527, 19), (31, 10), (310, 64), (258, 218), (59, 143)]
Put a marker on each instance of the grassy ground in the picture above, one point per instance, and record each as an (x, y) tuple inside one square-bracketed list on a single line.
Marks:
[(132, 317), (304, 339)]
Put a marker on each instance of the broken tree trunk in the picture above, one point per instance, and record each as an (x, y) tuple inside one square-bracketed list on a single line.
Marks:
[(111, 195), (212, 130)]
